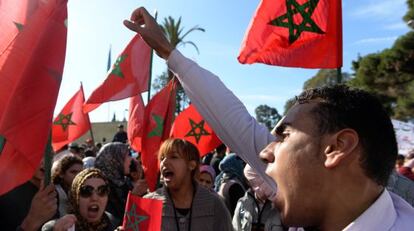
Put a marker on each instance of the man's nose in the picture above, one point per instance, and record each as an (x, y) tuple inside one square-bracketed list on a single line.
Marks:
[(267, 154)]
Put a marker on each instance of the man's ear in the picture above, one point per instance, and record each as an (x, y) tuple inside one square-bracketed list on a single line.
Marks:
[(340, 145)]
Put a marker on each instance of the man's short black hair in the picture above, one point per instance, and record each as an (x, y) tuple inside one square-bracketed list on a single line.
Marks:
[(342, 107)]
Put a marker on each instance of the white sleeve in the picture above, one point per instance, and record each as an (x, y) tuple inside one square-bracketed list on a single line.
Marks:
[(223, 111)]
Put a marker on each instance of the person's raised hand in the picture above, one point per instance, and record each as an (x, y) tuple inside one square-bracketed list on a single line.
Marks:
[(65, 222), (145, 25), (42, 209), (141, 188)]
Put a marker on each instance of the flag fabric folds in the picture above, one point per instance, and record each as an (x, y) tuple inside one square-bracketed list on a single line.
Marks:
[(295, 33), (158, 117), (142, 214), (135, 122), (190, 126), (31, 68), (13, 17), (71, 123), (128, 76)]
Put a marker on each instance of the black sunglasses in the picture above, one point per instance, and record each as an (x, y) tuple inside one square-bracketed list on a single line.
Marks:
[(87, 191)]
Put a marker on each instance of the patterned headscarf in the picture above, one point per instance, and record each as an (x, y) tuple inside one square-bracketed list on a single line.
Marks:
[(74, 195), (110, 160)]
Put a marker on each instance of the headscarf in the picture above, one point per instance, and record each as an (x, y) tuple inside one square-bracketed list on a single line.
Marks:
[(208, 169), (74, 195), (110, 160), (231, 167), (258, 185), (88, 162)]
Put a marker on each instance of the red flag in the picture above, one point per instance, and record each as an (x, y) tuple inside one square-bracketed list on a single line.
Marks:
[(189, 125), (13, 17), (135, 122), (128, 77), (142, 214), (30, 75), (158, 116), (295, 33), (71, 123)]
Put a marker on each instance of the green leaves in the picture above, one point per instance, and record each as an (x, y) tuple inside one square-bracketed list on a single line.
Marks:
[(390, 75)]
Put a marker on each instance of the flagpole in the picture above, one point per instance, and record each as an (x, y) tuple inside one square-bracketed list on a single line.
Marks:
[(149, 87), (87, 115), (47, 161), (339, 75), (150, 67), (108, 67)]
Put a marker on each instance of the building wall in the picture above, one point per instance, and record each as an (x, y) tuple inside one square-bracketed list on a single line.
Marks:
[(101, 130)]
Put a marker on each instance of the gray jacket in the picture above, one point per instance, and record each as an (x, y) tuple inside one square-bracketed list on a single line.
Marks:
[(249, 212), (208, 212)]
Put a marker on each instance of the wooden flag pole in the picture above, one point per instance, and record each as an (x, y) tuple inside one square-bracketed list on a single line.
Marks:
[(89, 120), (48, 157)]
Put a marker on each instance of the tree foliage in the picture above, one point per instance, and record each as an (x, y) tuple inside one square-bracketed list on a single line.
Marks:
[(267, 115), (410, 13), (289, 103), (389, 74), (325, 77), (174, 32)]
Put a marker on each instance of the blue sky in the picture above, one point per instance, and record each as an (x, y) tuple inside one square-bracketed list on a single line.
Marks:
[(94, 25)]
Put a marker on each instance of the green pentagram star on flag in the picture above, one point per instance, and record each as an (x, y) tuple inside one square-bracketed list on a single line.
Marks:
[(2, 142), (193, 131), (19, 26), (157, 131), (117, 68), (133, 219), (64, 121), (305, 10)]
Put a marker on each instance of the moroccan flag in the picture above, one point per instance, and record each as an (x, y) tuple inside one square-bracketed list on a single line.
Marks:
[(158, 118), (142, 214), (136, 122), (128, 77), (30, 75), (71, 123), (189, 125), (13, 17), (295, 33)]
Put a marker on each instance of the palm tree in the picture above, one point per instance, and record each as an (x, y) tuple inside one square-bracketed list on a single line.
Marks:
[(174, 33)]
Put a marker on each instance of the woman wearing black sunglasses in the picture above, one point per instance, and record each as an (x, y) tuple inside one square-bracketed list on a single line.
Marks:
[(88, 198)]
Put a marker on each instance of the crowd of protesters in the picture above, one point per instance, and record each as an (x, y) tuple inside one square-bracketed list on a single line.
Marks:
[(92, 195), (330, 164)]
